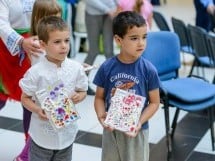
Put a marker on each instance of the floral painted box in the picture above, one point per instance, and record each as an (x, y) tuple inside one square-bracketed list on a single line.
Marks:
[(125, 110), (58, 106)]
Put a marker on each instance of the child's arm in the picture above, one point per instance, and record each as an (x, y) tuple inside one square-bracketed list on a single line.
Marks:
[(154, 102), (99, 105), (31, 106), (78, 96)]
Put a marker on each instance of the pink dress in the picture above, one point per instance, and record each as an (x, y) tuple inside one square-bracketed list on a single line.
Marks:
[(146, 9)]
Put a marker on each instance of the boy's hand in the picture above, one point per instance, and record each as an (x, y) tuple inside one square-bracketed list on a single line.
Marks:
[(78, 97), (42, 115), (102, 119), (135, 131)]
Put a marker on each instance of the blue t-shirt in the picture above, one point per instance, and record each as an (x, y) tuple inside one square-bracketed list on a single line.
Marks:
[(139, 77)]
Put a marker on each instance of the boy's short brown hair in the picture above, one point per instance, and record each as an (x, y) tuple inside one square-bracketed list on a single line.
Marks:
[(49, 24)]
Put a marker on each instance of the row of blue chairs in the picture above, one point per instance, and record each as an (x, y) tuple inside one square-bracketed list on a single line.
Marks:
[(198, 42), (191, 93), (193, 40)]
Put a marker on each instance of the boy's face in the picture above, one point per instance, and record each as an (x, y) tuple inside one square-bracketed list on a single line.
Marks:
[(57, 47), (133, 43)]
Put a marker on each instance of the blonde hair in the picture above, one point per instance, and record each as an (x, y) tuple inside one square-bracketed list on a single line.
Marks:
[(41, 9), (138, 5)]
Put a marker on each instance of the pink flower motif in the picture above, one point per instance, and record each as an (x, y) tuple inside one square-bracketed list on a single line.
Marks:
[(129, 99)]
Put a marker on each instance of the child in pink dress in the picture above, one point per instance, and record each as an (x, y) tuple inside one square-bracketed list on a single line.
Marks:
[(144, 7)]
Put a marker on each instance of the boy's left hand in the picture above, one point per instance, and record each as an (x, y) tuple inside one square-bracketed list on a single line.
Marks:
[(135, 131)]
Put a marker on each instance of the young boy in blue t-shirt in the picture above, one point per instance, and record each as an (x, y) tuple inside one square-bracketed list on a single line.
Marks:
[(131, 72)]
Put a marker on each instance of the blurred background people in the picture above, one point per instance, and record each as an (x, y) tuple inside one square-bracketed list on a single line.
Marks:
[(143, 7), (98, 17), (155, 2), (204, 10)]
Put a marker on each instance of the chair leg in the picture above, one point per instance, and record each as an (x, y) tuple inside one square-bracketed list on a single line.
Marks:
[(168, 133), (203, 72), (211, 122), (174, 122), (183, 59), (193, 65)]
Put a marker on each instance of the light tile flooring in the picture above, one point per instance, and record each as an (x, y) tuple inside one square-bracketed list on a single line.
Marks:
[(12, 140)]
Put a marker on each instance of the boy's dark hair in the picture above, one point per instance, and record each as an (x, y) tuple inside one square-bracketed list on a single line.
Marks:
[(127, 20), (49, 24)]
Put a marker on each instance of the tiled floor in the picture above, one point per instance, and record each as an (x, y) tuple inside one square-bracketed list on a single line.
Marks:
[(191, 141)]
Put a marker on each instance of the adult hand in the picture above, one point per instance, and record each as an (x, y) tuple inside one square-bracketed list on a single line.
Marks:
[(31, 46), (113, 13)]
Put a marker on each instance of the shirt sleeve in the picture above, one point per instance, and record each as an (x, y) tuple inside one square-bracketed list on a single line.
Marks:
[(9, 36), (28, 83), (153, 79), (100, 77)]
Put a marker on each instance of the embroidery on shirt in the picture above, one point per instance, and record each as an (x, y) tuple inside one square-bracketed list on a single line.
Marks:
[(48, 129), (11, 42)]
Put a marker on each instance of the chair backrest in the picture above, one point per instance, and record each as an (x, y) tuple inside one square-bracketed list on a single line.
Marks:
[(211, 48), (163, 51), (160, 21), (198, 40), (180, 28)]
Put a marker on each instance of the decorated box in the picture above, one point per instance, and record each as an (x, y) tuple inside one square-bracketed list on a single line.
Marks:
[(57, 105), (125, 110)]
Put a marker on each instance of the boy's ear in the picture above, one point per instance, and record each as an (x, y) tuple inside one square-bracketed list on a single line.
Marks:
[(117, 40)]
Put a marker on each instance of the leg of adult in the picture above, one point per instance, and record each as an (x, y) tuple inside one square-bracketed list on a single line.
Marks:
[(108, 37), (93, 25)]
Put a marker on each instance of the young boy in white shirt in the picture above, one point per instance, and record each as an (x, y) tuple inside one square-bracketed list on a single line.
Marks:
[(48, 143)]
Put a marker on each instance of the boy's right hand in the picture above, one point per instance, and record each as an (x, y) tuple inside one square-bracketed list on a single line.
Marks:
[(102, 119)]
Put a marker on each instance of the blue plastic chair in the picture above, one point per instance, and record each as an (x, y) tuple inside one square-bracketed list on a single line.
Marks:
[(181, 30), (163, 50), (211, 49), (160, 21), (198, 37)]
